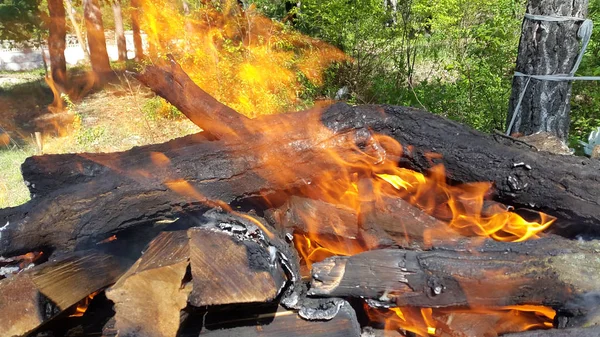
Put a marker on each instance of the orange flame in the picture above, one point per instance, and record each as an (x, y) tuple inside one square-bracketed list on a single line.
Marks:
[(428, 322), (83, 305), (227, 48)]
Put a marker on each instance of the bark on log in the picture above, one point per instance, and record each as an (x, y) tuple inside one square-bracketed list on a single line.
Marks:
[(546, 48), (551, 272), (145, 184)]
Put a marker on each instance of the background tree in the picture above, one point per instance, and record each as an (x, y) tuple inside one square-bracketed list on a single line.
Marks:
[(546, 48), (96, 39), (119, 30), (135, 27), (57, 42)]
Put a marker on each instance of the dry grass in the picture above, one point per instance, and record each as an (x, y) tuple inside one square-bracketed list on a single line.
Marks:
[(114, 119)]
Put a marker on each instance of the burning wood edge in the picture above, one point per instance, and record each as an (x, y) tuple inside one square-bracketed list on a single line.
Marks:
[(287, 323), (551, 272), (574, 332), (35, 296)]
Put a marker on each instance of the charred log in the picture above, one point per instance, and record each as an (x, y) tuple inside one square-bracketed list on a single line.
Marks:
[(147, 184), (551, 272)]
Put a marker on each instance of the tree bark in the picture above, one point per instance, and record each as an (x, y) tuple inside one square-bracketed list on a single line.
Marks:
[(57, 43), (135, 27), (546, 48), (77, 30), (96, 39), (119, 30)]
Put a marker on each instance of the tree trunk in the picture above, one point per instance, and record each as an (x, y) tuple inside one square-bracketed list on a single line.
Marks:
[(96, 39), (119, 30), (546, 48), (57, 42), (76, 27), (135, 26)]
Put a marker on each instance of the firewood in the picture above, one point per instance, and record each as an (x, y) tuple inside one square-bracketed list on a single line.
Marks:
[(149, 297), (144, 185), (551, 272), (575, 332), (287, 323), (37, 295), (201, 108), (228, 270)]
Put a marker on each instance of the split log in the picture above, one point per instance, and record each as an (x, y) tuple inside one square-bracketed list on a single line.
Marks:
[(228, 270), (37, 295), (575, 332), (149, 297), (551, 272)]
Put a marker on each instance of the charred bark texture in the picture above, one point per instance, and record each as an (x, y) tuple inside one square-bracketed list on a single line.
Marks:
[(552, 272), (546, 48), (161, 181), (96, 39), (57, 42)]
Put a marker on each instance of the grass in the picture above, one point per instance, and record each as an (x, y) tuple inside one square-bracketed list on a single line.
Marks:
[(122, 115), (13, 191)]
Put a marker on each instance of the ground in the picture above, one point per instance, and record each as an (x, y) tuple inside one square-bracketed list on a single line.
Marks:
[(122, 115)]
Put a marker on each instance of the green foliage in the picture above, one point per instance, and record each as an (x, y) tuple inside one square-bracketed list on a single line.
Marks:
[(157, 108), (19, 19), (585, 99)]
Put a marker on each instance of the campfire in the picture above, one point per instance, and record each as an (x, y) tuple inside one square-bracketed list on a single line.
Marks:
[(339, 220), (315, 223)]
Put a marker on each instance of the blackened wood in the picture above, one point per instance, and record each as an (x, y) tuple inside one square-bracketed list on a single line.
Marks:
[(173, 84), (149, 297), (551, 272), (563, 186), (287, 323), (575, 332), (227, 270), (566, 187), (546, 48), (37, 295), (148, 184)]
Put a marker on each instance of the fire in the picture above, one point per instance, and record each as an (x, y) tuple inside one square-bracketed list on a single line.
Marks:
[(82, 306), (227, 48), (427, 322)]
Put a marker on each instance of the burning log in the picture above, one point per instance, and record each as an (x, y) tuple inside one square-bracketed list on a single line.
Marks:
[(142, 185), (564, 186), (551, 272), (37, 295), (149, 297), (575, 332)]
